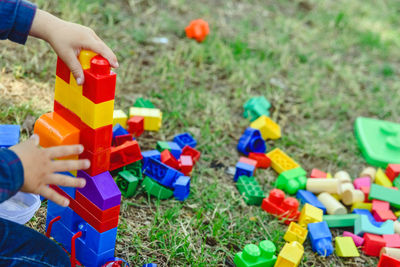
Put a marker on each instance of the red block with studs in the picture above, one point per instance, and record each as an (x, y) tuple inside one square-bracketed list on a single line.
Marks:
[(168, 159), (387, 261), (190, 151), (393, 171), (121, 139), (62, 70), (99, 85), (99, 162), (284, 208), (96, 140), (315, 173), (136, 125), (263, 161), (373, 244), (186, 164), (125, 154)]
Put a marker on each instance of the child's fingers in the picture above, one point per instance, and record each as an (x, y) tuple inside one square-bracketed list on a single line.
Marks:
[(63, 151), (65, 180), (75, 66), (52, 195), (101, 48), (69, 165)]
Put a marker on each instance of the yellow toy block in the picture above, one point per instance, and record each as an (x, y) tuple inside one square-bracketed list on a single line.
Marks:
[(361, 205), (290, 255), (328, 175), (152, 117), (97, 115), (67, 97), (268, 128), (345, 247), (382, 179), (73, 85), (397, 213), (84, 58), (119, 116), (295, 233), (310, 214), (281, 162)]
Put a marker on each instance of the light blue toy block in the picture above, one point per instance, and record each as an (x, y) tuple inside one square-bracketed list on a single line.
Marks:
[(243, 169), (363, 225)]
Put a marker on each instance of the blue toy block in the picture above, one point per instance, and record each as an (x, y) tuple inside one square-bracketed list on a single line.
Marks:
[(9, 135), (185, 139), (181, 188), (251, 141), (160, 172), (119, 130), (69, 218), (308, 197), (369, 215), (243, 169), (363, 225), (175, 149), (321, 238), (98, 242), (155, 154), (149, 265)]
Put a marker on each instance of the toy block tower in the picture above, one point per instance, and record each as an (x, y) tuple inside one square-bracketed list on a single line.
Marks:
[(84, 115)]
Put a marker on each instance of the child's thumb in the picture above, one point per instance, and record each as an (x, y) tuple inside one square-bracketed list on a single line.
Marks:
[(34, 139), (75, 66)]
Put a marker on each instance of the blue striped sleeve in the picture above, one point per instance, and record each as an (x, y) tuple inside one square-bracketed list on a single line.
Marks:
[(11, 174)]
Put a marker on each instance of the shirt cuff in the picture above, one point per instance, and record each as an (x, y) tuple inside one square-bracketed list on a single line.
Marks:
[(23, 22), (14, 172)]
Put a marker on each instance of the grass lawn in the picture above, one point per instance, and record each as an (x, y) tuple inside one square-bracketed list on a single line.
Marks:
[(320, 63)]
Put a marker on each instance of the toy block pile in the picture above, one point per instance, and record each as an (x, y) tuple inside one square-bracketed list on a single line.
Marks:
[(84, 115), (321, 201)]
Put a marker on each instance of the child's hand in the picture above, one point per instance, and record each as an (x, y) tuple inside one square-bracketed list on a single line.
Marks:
[(68, 39), (40, 168)]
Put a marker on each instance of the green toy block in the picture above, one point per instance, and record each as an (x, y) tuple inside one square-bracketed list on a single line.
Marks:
[(143, 103), (345, 220), (135, 168), (379, 141), (396, 182), (162, 145), (385, 194), (156, 190), (250, 189), (262, 255), (255, 107), (127, 183), (292, 180), (363, 225)]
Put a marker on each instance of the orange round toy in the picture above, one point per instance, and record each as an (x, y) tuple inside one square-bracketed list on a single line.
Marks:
[(197, 29)]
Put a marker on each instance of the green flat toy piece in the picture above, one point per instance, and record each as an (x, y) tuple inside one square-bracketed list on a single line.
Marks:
[(143, 103), (385, 194), (135, 168), (255, 107), (396, 182), (250, 189), (156, 190), (345, 220), (292, 180), (162, 145), (256, 256), (379, 141), (363, 225), (127, 183)]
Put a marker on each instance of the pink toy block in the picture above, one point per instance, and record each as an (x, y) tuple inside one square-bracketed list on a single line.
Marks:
[(379, 205), (360, 182), (384, 215), (358, 240), (365, 190), (392, 241), (315, 173)]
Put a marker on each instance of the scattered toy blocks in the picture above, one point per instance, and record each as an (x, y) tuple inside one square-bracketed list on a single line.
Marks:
[(387, 261), (345, 220), (363, 225), (181, 188), (127, 183), (310, 214), (9, 135), (373, 244), (263, 161), (168, 159), (369, 215), (251, 141), (392, 241), (392, 171), (136, 125), (382, 179), (243, 169), (185, 139), (185, 164), (385, 194), (175, 149), (358, 240), (152, 117), (160, 172), (332, 205), (321, 238), (292, 180), (189, 151), (345, 247), (295, 233), (284, 208), (255, 107), (248, 161), (268, 128), (290, 255), (308, 197), (156, 190), (362, 182), (254, 256), (322, 185), (143, 103), (384, 215), (118, 130), (281, 162), (250, 189), (124, 154), (120, 117), (197, 29)]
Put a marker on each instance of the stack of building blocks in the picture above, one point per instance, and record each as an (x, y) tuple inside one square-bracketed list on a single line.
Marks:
[(84, 115)]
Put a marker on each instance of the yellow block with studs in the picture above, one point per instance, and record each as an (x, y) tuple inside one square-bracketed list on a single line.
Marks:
[(68, 97), (281, 162), (120, 117), (345, 247), (295, 233), (152, 117), (290, 255), (382, 179), (97, 115), (84, 58), (268, 128), (310, 214), (362, 205)]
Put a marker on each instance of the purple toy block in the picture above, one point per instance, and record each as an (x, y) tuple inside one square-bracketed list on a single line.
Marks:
[(358, 240), (101, 190), (360, 182)]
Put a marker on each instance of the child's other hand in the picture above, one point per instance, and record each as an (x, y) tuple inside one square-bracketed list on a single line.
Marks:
[(68, 39), (40, 168)]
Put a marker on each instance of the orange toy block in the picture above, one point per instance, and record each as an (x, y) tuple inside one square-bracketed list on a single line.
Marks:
[(197, 29)]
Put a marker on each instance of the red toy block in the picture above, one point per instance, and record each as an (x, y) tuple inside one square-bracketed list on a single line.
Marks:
[(379, 205), (67, 115), (262, 159), (62, 70), (136, 125), (248, 161), (101, 215), (186, 164), (125, 154), (373, 244), (190, 151), (284, 208), (365, 190), (99, 85), (392, 241), (168, 159), (121, 139), (315, 173), (392, 171), (384, 215), (96, 140), (387, 261), (99, 162)]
